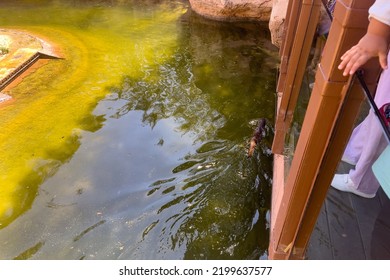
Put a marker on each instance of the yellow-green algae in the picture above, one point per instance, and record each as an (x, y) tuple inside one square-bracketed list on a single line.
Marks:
[(40, 130)]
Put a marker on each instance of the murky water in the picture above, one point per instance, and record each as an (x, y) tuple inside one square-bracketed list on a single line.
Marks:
[(134, 145)]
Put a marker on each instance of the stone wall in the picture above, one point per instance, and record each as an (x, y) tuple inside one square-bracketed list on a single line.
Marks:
[(272, 11), (276, 21), (233, 10)]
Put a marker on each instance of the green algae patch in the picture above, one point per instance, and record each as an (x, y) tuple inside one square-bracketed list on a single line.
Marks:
[(41, 129)]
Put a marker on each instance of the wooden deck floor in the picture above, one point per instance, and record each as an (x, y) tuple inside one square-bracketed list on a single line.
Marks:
[(351, 228)]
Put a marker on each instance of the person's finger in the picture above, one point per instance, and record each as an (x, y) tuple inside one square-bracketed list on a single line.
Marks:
[(350, 62), (348, 56), (383, 60), (344, 60), (351, 51), (362, 59), (342, 64)]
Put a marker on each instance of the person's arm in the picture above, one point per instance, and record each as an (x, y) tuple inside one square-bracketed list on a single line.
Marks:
[(374, 44)]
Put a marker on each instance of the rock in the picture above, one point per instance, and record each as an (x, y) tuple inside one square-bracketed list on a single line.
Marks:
[(233, 10), (273, 11), (276, 21)]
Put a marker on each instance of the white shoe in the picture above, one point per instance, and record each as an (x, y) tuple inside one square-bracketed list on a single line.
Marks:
[(348, 160), (343, 183)]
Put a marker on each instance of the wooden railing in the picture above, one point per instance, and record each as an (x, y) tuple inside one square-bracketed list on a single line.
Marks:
[(302, 18), (332, 110)]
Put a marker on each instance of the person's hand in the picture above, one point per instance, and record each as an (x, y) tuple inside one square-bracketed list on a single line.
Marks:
[(374, 44), (369, 46)]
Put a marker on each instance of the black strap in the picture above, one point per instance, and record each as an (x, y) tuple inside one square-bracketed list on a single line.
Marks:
[(359, 75)]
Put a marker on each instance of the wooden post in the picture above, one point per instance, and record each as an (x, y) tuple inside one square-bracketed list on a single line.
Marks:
[(292, 16), (293, 64), (326, 128)]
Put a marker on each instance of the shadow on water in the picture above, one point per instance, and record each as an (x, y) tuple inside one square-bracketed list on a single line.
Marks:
[(165, 175)]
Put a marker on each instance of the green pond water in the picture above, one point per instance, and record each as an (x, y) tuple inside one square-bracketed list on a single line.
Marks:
[(134, 145)]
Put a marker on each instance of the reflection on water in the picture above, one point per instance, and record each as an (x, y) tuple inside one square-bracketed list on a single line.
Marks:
[(164, 175)]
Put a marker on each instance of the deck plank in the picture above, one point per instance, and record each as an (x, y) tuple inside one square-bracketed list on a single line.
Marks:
[(366, 212), (382, 196), (380, 238), (350, 227), (320, 245), (343, 227)]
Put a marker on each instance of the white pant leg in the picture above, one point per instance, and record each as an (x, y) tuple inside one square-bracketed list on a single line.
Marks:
[(359, 135), (357, 141), (382, 95), (363, 176), (368, 141)]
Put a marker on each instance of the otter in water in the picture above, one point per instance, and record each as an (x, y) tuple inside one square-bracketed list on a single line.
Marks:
[(257, 136)]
